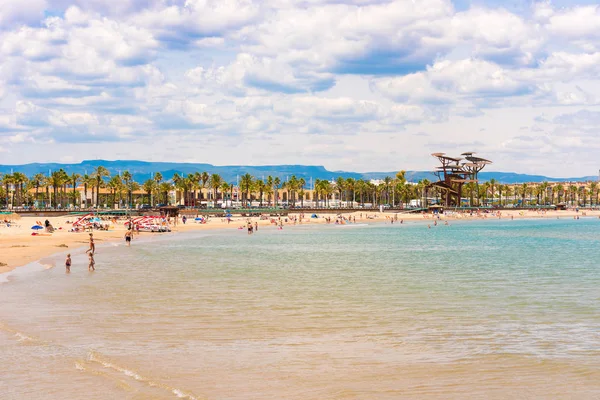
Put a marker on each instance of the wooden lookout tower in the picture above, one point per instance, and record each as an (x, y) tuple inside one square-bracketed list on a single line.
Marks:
[(454, 172)]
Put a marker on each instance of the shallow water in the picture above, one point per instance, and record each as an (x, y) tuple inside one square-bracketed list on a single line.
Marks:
[(486, 309)]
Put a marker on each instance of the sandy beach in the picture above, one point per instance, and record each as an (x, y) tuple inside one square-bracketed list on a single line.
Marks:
[(19, 247)]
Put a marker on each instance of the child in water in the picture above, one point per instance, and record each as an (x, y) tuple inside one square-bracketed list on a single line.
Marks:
[(92, 263), (68, 263)]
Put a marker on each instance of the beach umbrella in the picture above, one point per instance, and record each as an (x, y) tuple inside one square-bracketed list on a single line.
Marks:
[(36, 227)]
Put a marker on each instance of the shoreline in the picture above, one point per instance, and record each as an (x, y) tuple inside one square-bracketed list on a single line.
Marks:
[(19, 248)]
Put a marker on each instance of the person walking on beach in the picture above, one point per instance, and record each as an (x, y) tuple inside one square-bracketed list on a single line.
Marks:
[(68, 263), (92, 248), (256, 226), (128, 236), (92, 263)]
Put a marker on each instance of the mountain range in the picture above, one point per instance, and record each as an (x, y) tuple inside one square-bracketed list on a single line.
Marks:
[(143, 170)]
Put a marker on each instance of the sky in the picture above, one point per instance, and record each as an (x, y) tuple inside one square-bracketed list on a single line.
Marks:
[(354, 85)]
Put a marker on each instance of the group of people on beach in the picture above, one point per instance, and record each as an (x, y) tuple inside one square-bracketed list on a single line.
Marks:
[(92, 250)]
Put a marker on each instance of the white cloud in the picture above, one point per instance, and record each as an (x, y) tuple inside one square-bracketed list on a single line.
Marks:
[(268, 75), (17, 12)]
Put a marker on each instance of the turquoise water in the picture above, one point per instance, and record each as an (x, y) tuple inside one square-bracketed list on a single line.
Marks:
[(475, 309)]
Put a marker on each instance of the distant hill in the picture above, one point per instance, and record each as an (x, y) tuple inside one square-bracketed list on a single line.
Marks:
[(143, 170)]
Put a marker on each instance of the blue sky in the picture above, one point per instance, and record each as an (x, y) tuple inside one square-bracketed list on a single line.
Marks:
[(357, 85)]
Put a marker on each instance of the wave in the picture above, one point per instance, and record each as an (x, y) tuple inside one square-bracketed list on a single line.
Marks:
[(96, 358)]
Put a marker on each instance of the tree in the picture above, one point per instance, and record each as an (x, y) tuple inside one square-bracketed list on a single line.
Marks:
[(301, 184), (164, 188), (149, 186), (215, 184), (387, 181), (127, 181), (493, 183), (269, 189), (351, 190), (340, 186), (594, 193), (225, 188), (524, 190), (204, 178), (292, 186), (74, 178), (7, 181), (245, 185), (115, 185), (37, 180), (260, 188), (276, 183), (99, 174)]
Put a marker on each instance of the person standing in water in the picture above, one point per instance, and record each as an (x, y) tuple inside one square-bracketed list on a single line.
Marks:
[(92, 248), (68, 263), (128, 236), (91, 265)]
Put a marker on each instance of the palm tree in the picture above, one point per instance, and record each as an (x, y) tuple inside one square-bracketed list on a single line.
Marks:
[(215, 183), (19, 180), (204, 178), (493, 183), (572, 192), (350, 189), (292, 186), (594, 193), (340, 186), (74, 178), (88, 181), (149, 186), (99, 174), (245, 184), (114, 184), (225, 188), (127, 180), (387, 181), (37, 180), (269, 188), (7, 181), (276, 183), (260, 187), (301, 193)]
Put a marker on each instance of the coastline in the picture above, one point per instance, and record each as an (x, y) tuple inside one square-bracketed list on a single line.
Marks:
[(19, 248)]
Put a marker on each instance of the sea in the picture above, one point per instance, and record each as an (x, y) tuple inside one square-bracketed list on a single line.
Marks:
[(487, 309)]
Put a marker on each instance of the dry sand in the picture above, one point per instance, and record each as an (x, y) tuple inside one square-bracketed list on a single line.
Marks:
[(18, 247)]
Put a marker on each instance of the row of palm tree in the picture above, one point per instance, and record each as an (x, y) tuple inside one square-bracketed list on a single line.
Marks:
[(59, 188)]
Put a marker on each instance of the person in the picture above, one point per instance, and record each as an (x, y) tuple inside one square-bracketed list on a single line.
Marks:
[(128, 236), (68, 263), (256, 226), (92, 248), (183, 219), (249, 228), (91, 266)]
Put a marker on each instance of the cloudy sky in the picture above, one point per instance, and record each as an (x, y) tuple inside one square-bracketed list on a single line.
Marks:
[(360, 85)]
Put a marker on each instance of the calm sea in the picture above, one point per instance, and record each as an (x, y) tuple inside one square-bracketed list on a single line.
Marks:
[(475, 310)]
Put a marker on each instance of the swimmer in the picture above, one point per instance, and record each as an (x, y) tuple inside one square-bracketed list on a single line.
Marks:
[(68, 263)]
